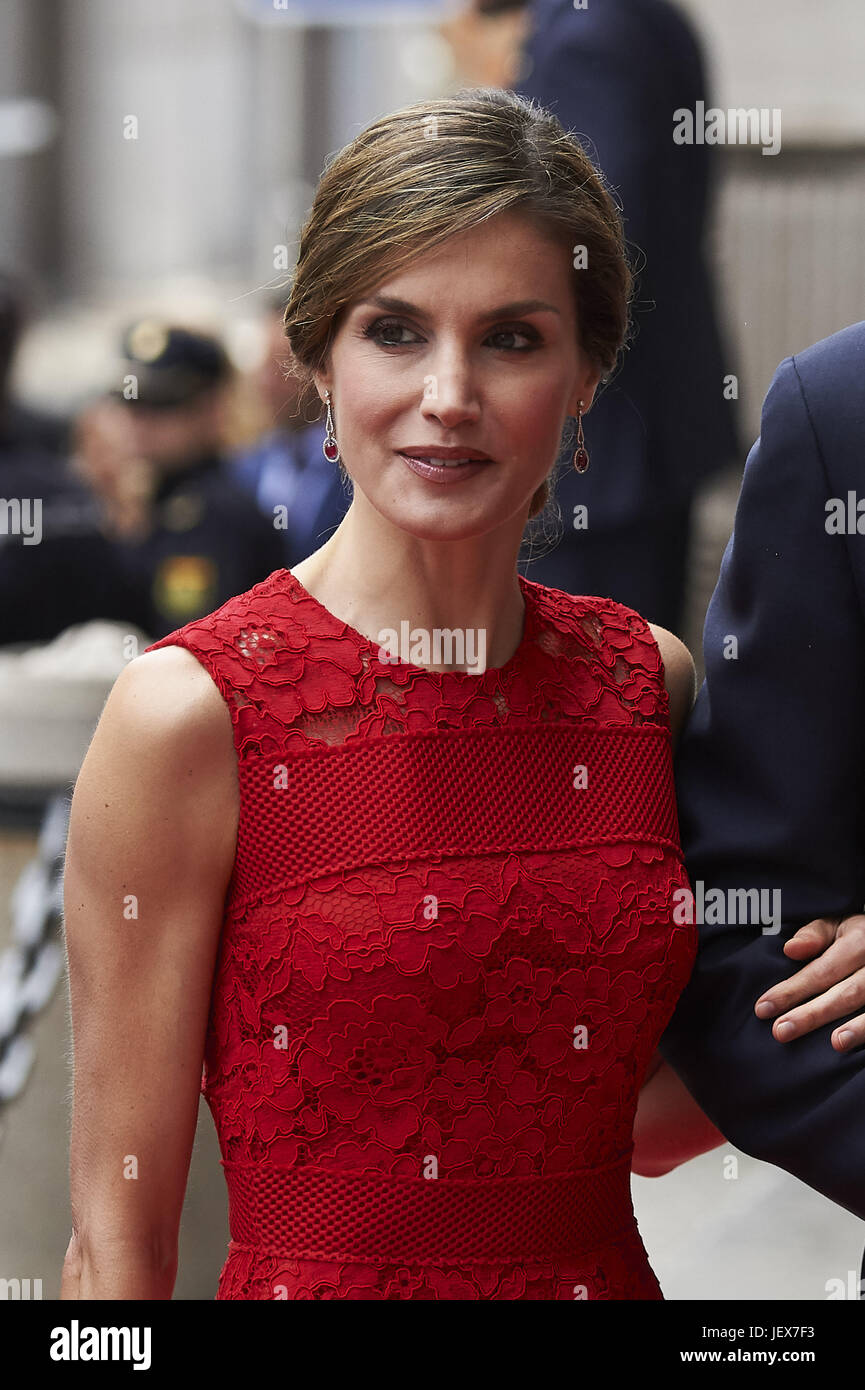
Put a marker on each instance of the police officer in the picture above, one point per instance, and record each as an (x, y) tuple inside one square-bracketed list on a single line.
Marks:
[(202, 539)]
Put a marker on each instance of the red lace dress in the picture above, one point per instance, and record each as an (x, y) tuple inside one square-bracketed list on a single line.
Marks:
[(447, 954)]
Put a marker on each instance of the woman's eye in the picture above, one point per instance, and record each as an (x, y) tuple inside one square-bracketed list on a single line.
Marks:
[(530, 336), (385, 331), (389, 327)]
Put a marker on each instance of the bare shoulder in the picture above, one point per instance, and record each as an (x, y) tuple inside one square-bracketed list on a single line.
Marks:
[(168, 693), (680, 676), (161, 768)]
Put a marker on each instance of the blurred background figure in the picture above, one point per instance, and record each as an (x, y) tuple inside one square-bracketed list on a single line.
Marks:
[(104, 457), (23, 430), (197, 538), (487, 38), (614, 73), (285, 469), (58, 566)]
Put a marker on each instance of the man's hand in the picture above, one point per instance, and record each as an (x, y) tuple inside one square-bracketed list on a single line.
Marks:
[(833, 985)]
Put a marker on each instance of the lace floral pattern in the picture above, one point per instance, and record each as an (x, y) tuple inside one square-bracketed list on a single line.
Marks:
[(491, 1012)]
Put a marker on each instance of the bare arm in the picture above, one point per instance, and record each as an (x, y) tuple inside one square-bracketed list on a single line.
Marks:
[(149, 856), (680, 678), (670, 1127)]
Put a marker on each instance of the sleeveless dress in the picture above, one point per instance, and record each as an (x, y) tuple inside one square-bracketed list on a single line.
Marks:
[(448, 952)]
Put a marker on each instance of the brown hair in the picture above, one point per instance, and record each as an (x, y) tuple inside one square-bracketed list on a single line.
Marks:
[(415, 177)]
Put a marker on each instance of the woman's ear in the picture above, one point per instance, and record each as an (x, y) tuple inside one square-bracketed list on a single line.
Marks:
[(585, 391), (322, 384)]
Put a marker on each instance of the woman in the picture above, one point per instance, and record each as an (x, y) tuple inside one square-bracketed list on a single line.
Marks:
[(411, 903)]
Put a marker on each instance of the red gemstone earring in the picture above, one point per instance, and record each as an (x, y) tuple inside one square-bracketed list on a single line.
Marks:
[(581, 457), (330, 448)]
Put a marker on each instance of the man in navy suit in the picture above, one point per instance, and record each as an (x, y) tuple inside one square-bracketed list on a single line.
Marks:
[(614, 74), (769, 779)]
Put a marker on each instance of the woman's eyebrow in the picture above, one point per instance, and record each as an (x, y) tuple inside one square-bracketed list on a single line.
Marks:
[(518, 306)]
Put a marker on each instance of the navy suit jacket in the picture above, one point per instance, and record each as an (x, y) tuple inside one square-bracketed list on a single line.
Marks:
[(288, 469), (614, 74), (770, 776)]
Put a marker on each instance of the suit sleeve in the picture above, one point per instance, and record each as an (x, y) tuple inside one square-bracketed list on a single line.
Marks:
[(770, 797)]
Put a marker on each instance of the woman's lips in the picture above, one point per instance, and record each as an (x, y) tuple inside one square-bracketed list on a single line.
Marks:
[(444, 471)]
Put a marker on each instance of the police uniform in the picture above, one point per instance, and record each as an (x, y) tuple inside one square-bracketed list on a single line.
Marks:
[(207, 541), (58, 568)]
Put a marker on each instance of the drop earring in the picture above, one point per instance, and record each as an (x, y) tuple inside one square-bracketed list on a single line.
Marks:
[(581, 457), (330, 448)]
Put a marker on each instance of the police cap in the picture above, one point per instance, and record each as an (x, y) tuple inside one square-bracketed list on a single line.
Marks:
[(171, 365)]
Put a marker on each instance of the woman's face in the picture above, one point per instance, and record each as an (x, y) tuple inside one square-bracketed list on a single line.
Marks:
[(481, 354)]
